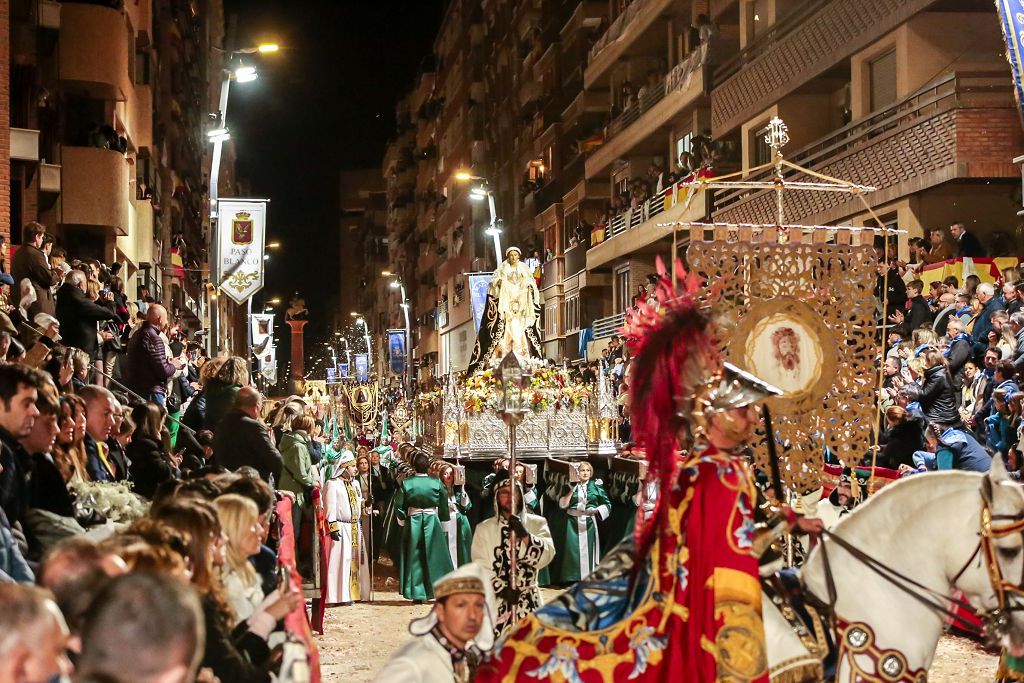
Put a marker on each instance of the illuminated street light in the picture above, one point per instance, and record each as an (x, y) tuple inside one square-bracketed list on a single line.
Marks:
[(267, 48), (274, 245), (478, 193), (386, 273), (245, 74), (395, 284), (275, 301)]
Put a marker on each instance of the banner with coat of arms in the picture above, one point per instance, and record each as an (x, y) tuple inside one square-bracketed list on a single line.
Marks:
[(241, 227)]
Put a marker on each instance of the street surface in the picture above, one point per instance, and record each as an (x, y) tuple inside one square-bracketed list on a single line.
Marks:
[(359, 639)]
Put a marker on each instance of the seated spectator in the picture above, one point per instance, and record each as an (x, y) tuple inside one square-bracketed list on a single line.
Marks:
[(941, 247), (935, 394), (242, 439), (145, 623), (904, 434), (102, 463), (233, 654), (919, 314), (220, 391), (35, 637), (998, 425), (151, 464), (949, 448)]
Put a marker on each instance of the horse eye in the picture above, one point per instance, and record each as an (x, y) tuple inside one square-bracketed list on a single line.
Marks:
[(1008, 553)]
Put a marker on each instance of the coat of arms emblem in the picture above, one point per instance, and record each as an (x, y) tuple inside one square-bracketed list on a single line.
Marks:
[(241, 228)]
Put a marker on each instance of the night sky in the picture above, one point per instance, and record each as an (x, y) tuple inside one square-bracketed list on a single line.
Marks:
[(324, 103)]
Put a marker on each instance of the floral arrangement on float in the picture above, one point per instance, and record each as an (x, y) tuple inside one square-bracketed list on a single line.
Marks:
[(115, 500), (428, 401), (549, 387)]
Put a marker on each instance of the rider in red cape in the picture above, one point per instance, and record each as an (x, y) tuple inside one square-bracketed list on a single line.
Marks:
[(690, 609)]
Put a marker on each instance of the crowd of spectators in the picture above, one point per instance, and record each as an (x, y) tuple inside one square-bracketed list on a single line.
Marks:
[(103, 398), (953, 359)]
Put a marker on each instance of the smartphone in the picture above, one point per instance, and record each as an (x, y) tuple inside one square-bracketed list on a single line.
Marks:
[(283, 579)]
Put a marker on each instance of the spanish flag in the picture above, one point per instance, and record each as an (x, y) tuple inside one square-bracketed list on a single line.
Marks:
[(177, 264)]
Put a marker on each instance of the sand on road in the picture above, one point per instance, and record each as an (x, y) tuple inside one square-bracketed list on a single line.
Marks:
[(358, 640)]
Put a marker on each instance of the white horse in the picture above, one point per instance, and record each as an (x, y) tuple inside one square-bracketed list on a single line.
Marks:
[(927, 528)]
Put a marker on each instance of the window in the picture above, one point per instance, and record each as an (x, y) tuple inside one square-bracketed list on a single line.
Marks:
[(570, 222), (550, 320), (760, 151), (882, 72), (622, 293), (759, 20), (141, 68), (572, 314), (683, 145)]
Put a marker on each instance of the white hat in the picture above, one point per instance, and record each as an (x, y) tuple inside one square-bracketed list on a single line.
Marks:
[(469, 578), (515, 249), (346, 457)]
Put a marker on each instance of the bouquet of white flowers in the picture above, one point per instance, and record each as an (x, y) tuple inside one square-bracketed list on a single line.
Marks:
[(113, 499)]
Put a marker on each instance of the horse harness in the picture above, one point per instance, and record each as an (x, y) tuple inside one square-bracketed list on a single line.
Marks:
[(857, 639)]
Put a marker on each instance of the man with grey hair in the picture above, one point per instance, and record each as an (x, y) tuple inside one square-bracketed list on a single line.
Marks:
[(1017, 326), (78, 315), (33, 636), (959, 352), (148, 624), (990, 303), (146, 366)]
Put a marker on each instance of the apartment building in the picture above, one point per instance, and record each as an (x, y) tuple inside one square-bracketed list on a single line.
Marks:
[(107, 105), (581, 115), (913, 97), (363, 256)]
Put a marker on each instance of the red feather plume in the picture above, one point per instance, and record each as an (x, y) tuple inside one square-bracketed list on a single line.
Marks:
[(672, 348)]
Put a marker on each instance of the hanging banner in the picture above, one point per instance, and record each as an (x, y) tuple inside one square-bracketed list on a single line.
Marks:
[(332, 375), (362, 367), (478, 283), (267, 355), (262, 331), (1011, 20), (241, 228), (343, 370), (269, 372), (396, 351)]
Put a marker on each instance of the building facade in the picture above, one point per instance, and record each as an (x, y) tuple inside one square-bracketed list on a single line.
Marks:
[(108, 106), (582, 116)]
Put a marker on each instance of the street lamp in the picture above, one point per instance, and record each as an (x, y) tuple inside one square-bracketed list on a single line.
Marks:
[(360, 320), (479, 193), (243, 73), (512, 407), (399, 285)]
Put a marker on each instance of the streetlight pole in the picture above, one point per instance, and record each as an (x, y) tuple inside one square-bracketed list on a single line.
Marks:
[(479, 192)]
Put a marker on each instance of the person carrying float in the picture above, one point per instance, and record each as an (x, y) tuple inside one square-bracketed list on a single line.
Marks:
[(585, 502), (421, 509), (519, 592), (456, 530), (348, 569), (683, 601)]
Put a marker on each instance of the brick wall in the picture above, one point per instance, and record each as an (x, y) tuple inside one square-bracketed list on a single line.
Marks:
[(5, 118)]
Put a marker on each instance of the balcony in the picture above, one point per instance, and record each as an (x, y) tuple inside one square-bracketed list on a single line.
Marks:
[(24, 144), (800, 46), (630, 28), (93, 49), (94, 188), (575, 259), (637, 230), (640, 129), (960, 126), (552, 273), (139, 122), (606, 327)]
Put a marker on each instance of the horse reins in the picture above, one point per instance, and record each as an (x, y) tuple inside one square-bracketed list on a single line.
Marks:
[(995, 620)]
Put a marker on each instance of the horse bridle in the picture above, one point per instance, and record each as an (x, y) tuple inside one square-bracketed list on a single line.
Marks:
[(1008, 594)]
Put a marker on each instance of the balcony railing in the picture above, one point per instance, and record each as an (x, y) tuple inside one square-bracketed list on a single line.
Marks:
[(679, 78), (606, 327), (631, 219), (617, 27), (914, 136)]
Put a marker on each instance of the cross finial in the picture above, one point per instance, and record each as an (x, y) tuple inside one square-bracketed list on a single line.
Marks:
[(778, 134)]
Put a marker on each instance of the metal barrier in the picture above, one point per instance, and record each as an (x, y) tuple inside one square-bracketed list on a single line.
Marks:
[(606, 327)]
